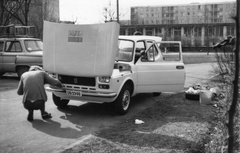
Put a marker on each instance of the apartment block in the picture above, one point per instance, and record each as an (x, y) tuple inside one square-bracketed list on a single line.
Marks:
[(195, 24), (184, 14)]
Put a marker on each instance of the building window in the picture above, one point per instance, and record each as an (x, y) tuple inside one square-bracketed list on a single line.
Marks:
[(169, 32), (197, 31), (131, 31), (230, 30)]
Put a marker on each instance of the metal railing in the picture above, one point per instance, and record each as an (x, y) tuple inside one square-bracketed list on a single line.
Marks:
[(12, 31)]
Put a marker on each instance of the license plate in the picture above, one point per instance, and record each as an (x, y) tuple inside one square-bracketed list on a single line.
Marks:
[(74, 93)]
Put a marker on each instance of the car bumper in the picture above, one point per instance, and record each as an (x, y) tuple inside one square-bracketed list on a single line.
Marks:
[(97, 97)]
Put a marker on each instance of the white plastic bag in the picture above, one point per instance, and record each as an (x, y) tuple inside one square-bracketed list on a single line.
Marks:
[(137, 121)]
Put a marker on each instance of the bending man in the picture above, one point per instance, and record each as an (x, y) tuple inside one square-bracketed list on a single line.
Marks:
[(31, 86)]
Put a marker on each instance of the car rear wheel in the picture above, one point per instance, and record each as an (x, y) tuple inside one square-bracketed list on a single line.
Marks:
[(21, 70), (123, 100), (59, 102)]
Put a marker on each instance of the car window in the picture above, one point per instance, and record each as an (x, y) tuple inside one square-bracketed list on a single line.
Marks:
[(170, 51), (1, 46), (33, 45), (13, 46), (149, 43), (125, 51), (140, 45), (152, 54)]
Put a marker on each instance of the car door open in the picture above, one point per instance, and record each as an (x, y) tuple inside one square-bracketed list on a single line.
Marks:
[(158, 71)]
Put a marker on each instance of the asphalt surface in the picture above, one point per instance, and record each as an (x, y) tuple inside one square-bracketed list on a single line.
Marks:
[(197, 73), (69, 125)]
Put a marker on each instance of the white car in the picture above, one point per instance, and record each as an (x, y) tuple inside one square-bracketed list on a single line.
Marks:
[(139, 66)]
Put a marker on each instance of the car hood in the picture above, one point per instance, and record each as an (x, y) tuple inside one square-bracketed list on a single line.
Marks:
[(80, 50)]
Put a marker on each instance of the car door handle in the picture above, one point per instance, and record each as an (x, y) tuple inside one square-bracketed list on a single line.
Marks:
[(180, 67)]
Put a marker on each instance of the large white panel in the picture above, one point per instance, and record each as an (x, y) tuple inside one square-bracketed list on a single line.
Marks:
[(80, 50)]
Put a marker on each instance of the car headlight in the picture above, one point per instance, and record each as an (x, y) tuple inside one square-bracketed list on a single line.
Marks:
[(104, 79)]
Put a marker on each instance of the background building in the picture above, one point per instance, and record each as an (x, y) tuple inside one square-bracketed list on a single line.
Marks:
[(196, 25)]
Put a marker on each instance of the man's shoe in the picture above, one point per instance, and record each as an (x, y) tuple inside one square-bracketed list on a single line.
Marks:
[(30, 116), (46, 115)]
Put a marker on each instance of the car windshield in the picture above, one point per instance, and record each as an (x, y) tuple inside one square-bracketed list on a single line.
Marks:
[(125, 52), (33, 45)]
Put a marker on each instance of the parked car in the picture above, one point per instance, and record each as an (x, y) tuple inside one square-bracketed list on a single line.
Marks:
[(18, 53), (139, 66)]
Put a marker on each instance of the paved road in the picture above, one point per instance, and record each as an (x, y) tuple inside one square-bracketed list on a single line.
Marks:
[(69, 125)]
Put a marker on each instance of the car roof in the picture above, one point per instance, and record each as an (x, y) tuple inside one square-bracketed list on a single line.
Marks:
[(141, 37), (13, 38)]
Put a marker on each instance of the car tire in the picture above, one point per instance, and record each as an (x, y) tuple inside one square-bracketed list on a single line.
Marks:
[(21, 70), (123, 100), (155, 94), (62, 103)]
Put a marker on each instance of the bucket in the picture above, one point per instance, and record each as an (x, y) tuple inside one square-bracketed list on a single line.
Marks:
[(216, 91), (205, 97)]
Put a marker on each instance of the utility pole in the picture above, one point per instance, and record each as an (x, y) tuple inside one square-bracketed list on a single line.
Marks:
[(117, 11)]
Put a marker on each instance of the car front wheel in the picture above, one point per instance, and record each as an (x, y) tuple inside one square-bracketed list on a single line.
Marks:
[(59, 102), (123, 100)]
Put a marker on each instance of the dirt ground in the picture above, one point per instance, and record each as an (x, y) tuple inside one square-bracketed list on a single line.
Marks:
[(173, 124)]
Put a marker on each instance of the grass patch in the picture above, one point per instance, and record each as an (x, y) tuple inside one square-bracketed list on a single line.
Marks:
[(173, 123), (197, 58), (191, 58)]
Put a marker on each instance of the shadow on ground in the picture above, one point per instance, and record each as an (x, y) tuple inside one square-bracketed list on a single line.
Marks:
[(54, 128)]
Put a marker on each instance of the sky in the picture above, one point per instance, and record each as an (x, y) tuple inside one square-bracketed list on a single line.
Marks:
[(91, 11)]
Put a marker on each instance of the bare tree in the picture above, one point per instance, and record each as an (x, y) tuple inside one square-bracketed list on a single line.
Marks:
[(109, 13), (18, 10), (226, 68), (40, 11), (7, 9), (234, 103), (4, 16)]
